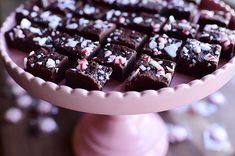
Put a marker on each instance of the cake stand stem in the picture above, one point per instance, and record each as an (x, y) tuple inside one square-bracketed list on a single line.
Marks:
[(130, 135)]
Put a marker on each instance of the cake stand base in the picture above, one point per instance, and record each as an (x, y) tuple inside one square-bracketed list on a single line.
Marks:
[(131, 135)]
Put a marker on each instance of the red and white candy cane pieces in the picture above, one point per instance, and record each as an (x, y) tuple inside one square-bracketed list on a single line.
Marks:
[(210, 57), (82, 64)]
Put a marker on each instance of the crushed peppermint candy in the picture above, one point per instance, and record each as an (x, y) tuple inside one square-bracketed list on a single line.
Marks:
[(71, 42), (107, 53), (117, 59), (210, 57), (82, 64), (25, 23), (172, 49), (50, 63), (41, 40), (138, 20), (205, 46), (121, 19)]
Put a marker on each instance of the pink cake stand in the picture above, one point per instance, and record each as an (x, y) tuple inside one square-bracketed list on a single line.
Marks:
[(117, 131)]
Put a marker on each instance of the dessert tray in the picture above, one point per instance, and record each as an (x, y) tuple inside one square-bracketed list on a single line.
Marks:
[(93, 132), (114, 101)]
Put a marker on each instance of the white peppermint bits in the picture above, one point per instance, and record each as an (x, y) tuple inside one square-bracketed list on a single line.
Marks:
[(41, 40), (25, 24), (71, 42), (50, 63), (138, 20), (82, 64)]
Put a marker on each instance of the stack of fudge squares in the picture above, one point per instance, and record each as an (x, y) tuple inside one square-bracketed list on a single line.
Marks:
[(141, 43)]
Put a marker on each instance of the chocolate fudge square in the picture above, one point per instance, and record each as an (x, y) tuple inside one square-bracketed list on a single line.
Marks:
[(74, 25), (36, 15), (127, 37), (39, 16), (180, 29), (91, 11), (88, 75), (118, 17), (214, 17), (24, 36), (198, 58), (150, 73), (163, 47), (120, 58), (17, 38), (98, 31), (75, 46), (152, 6), (181, 9), (147, 23), (214, 34), (47, 65)]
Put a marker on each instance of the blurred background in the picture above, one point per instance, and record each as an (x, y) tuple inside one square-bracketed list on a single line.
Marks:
[(32, 127)]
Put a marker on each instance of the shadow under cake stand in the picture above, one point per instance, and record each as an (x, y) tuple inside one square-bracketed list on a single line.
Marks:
[(118, 131)]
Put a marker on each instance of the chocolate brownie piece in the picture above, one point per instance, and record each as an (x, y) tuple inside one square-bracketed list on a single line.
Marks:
[(150, 73), (88, 75), (214, 17), (120, 58), (74, 25), (119, 17), (91, 11), (75, 46), (127, 37), (198, 58), (147, 23), (39, 16), (180, 29), (163, 47), (50, 66), (25, 36), (152, 6), (98, 31), (181, 9), (214, 34)]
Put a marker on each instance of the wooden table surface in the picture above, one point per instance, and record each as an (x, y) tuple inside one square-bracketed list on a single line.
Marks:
[(16, 140)]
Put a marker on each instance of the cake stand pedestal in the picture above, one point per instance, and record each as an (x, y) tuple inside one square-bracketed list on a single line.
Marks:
[(130, 135), (117, 134)]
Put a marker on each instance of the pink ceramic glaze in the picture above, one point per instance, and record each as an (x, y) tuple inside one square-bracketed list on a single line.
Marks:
[(133, 135)]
